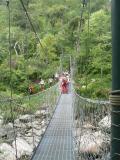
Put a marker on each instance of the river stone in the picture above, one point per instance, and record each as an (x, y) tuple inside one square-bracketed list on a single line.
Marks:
[(19, 124), (23, 148), (34, 124), (38, 114), (25, 118), (7, 152), (43, 130), (43, 123), (34, 132), (93, 142), (88, 126), (105, 124), (29, 140), (43, 111), (7, 132)]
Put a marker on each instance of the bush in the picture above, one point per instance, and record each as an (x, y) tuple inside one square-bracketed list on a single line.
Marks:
[(8, 117), (2, 87), (96, 89), (23, 87), (36, 88)]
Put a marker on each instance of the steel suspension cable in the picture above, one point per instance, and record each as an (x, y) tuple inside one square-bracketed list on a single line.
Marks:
[(10, 66), (33, 28)]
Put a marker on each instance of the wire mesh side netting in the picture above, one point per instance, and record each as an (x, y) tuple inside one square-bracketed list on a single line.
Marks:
[(92, 123), (25, 120)]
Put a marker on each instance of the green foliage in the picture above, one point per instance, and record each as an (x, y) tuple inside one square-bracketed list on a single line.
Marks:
[(57, 24), (95, 57), (56, 13), (94, 87), (49, 53)]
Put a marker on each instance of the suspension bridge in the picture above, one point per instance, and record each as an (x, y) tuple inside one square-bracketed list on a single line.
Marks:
[(57, 126), (54, 126)]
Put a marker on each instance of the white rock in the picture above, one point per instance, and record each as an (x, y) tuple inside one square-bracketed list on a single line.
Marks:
[(38, 132), (88, 126), (105, 123), (37, 125), (38, 114), (29, 134), (43, 130), (34, 132), (30, 141), (43, 112), (7, 152), (25, 118), (34, 124), (43, 123), (20, 125), (17, 121), (23, 148), (7, 131), (92, 142), (42, 82)]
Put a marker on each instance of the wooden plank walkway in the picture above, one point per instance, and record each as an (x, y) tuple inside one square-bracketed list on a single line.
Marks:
[(57, 143)]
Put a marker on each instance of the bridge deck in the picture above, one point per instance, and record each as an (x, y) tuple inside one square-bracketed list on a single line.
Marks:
[(57, 143)]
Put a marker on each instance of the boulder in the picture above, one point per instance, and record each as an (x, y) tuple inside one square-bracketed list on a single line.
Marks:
[(36, 124), (93, 143), (7, 132), (7, 152), (20, 127), (43, 130), (88, 126), (43, 112), (43, 123), (34, 132), (30, 141), (23, 148), (26, 118), (83, 129), (105, 124), (38, 114)]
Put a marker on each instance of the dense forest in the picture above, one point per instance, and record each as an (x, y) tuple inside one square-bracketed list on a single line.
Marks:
[(65, 27)]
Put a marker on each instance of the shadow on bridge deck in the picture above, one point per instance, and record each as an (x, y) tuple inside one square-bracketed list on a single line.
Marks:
[(57, 143)]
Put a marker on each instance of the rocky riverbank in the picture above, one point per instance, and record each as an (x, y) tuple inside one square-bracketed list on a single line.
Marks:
[(93, 142), (22, 139)]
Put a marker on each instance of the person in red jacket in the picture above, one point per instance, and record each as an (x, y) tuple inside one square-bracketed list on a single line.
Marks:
[(64, 85)]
